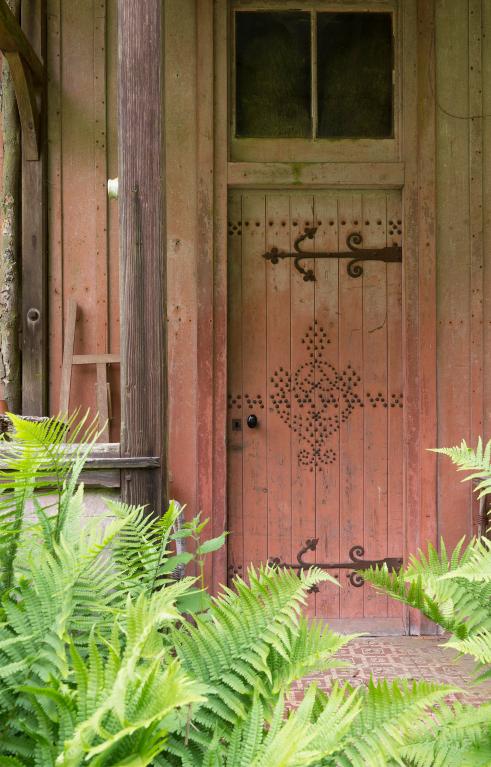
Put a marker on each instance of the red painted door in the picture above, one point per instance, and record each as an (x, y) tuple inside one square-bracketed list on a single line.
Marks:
[(315, 355)]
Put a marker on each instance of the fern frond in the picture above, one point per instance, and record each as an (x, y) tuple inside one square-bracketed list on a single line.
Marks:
[(386, 721), (312, 648), (436, 585), (477, 461), (232, 650), (456, 736), (477, 564)]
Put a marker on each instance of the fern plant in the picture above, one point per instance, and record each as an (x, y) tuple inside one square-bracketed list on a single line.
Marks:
[(477, 461), (101, 665), (454, 591)]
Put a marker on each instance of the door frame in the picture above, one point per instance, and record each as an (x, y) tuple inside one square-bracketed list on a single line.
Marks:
[(415, 172)]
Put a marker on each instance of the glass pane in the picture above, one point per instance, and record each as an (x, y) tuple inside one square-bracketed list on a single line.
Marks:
[(354, 75), (273, 74)]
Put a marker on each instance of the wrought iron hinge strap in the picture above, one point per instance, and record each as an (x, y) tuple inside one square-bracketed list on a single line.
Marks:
[(356, 563), (356, 254)]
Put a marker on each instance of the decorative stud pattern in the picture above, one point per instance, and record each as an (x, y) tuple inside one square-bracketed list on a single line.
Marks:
[(254, 401), (396, 400), (234, 570), (235, 401), (250, 401), (234, 228), (326, 397), (395, 226)]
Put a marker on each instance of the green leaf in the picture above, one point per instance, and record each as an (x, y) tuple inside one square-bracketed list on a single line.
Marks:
[(213, 544), (184, 533), (194, 602), (172, 562)]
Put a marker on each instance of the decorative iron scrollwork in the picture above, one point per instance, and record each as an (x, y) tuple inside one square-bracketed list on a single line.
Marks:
[(356, 563), (356, 254)]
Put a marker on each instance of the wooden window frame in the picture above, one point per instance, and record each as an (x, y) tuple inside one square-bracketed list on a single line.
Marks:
[(299, 150)]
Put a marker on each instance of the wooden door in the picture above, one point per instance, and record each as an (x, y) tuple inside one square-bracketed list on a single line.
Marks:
[(315, 354)]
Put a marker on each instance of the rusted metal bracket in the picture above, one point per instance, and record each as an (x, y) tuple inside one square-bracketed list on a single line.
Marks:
[(355, 253), (356, 563), (27, 72)]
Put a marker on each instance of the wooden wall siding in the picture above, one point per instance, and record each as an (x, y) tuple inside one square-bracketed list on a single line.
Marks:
[(182, 249), (320, 365), (82, 226), (486, 165), (463, 209)]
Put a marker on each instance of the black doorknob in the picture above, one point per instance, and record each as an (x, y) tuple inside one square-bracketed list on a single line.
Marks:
[(252, 421)]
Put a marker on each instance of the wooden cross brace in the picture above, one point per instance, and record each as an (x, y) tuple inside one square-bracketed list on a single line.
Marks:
[(27, 72)]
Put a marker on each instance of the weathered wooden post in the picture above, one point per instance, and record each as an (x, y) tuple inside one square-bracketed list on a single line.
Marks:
[(10, 369), (142, 246)]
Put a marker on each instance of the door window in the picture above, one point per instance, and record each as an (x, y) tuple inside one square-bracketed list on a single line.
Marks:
[(318, 84), (313, 75), (354, 75), (273, 66)]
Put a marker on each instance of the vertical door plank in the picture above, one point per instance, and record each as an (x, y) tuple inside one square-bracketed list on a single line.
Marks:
[(395, 390), (277, 415), (302, 359), (255, 470), (375, 384), (329, 400), (351, 431), (235, 409)]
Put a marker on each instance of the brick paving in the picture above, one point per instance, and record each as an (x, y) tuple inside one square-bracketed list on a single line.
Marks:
[(402, 657)]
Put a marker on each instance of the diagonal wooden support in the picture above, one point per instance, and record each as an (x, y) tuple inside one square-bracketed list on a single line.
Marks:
[(13, 40), (27, 70)]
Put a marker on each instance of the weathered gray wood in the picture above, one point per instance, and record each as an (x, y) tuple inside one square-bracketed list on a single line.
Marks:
[(102, 478), (34, 242), (10, 370), (142, 242), (141, 462)]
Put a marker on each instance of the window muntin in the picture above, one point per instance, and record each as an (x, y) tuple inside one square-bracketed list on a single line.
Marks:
[(314, 75)]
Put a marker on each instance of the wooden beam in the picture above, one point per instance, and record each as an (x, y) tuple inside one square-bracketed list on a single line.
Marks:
[(13, 40), (27, 105), (142, 243), (34, 234), (386, 175)]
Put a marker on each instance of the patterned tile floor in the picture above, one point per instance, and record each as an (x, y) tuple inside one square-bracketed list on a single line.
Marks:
[(396, 657)]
